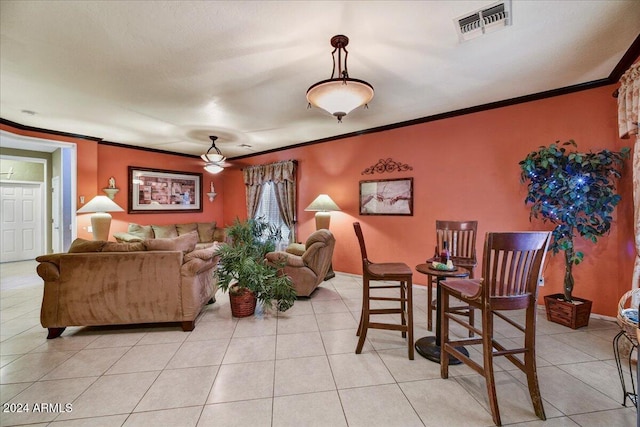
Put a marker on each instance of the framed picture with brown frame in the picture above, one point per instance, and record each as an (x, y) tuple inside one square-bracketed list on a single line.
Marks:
[(163, 191), (386, 197)]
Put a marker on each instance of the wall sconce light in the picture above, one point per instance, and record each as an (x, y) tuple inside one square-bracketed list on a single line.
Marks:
[(212, 193), (111, 190)]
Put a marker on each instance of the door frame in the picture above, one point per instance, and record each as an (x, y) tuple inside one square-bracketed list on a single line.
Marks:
[(21, 142), (57, 238)]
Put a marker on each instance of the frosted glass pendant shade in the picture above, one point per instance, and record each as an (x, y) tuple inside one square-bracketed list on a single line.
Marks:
[(340, 96)]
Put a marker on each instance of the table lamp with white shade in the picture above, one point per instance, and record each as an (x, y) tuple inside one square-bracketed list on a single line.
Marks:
[(100, 206), (322, 205)]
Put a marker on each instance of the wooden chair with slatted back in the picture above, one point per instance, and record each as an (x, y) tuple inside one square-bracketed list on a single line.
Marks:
[(461, 238), (511, 267), (384, 273)]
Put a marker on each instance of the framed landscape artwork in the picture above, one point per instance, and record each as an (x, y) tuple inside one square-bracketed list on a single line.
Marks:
[(386, 197), (158, 191)]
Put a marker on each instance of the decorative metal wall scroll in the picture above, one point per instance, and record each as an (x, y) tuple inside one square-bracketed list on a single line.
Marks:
[(386, 165)]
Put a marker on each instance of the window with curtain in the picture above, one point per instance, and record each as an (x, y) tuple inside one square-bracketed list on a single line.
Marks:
[(271, 192), (269, 211)]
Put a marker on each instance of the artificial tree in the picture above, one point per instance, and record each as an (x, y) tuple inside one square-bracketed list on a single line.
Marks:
[(576, 192), (243, 266)]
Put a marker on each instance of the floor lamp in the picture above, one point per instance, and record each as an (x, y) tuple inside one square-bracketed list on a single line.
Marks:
[(323, 205), (100, 206)]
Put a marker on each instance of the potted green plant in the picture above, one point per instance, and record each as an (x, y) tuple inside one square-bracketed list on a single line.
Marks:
[(244, 272), (575, 192)]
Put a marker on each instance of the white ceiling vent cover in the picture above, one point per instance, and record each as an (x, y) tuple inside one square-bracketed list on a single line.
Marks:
[(483, 21)]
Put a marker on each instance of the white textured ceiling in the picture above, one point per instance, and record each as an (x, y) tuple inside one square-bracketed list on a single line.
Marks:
[(166, 74)]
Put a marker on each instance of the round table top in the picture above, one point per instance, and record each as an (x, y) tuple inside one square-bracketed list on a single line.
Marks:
[(427, 269)]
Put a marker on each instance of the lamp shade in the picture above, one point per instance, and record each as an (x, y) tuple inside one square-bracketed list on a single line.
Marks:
[(322, 203), (340, 96), (100, 206), (213, 168)]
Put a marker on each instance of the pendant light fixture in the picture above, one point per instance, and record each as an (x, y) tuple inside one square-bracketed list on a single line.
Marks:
[(214, 161), (340, 94)]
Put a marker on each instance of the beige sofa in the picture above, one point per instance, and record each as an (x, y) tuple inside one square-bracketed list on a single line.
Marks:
[(108, 283), (207, 232)]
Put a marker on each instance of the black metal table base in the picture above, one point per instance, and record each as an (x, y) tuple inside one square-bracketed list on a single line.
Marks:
[(427, 347)]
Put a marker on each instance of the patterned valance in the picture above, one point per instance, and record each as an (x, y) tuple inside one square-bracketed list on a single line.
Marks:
[(275, 172)]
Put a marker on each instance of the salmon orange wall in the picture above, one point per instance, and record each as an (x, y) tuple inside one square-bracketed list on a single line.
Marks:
[(115, 161), (97, 162), (463, 168)]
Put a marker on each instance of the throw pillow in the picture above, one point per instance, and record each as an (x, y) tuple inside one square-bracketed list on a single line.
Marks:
[(142, 231), (185, 243), (186, 228), (123, 247), (164, 231), (205, 231), (205, 254), (82, 245)]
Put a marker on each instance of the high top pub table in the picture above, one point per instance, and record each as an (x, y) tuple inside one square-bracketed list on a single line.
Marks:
[(429, 347)]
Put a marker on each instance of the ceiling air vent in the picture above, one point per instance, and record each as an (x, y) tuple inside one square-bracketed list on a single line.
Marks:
[(483, 21)]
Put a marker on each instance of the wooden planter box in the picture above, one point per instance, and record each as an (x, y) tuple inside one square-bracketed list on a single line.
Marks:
[(571, 314)]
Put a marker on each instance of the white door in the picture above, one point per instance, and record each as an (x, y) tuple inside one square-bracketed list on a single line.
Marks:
[(56, 217), (21, 230)]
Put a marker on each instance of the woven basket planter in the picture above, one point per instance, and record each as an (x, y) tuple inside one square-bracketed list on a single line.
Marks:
[(243, 302), (570, 314), (628, 326)]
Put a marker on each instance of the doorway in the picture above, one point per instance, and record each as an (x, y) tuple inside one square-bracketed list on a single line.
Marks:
[(59, 160)]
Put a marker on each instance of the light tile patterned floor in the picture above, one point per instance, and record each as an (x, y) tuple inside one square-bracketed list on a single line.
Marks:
[(293, 369)]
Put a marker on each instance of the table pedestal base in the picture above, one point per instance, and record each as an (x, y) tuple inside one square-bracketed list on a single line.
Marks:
[(427, 347)]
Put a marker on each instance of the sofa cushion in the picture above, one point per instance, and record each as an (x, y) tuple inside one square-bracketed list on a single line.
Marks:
[(164, 231), (205, 231), (186, 228), (185, 243), (123, 247), (142, 231), (81, 245)]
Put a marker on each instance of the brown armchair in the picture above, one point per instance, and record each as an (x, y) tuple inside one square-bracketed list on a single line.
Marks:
[(308, 270)]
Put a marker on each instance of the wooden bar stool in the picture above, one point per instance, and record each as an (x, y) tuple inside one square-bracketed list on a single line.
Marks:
[(385, 272), (511, 267)]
